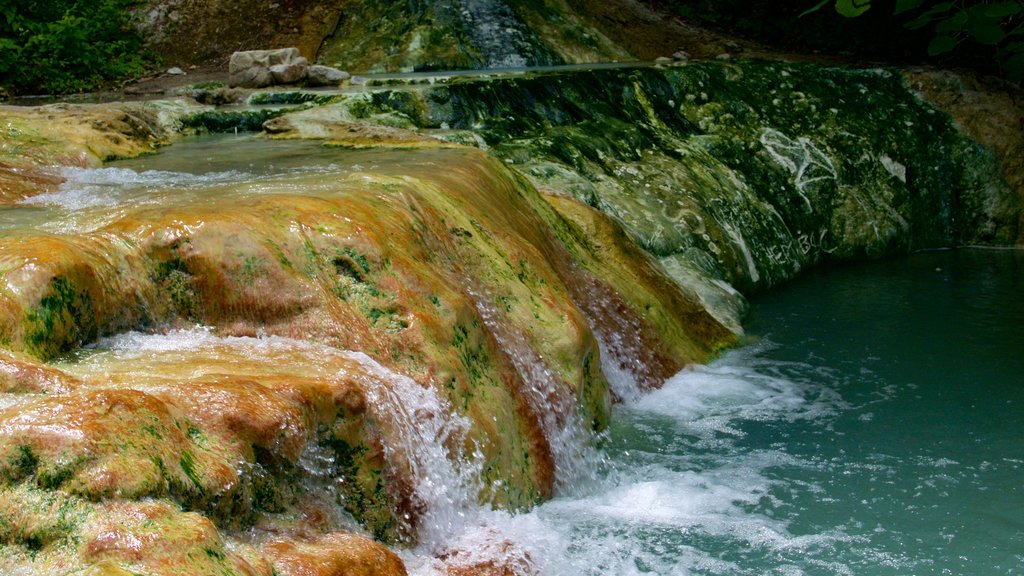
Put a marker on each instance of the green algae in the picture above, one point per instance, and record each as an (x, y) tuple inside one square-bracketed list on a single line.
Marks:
[(744, 172), (215, 121), (61, 321), (363, 491), (290, 98), (55, 518)]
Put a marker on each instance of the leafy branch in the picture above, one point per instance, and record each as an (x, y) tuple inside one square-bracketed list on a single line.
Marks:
[(61, 46), (997, 24)]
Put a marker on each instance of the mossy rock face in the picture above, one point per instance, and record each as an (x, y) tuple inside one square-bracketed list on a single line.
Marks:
[(52, 532), (376, 36), (735, 175)]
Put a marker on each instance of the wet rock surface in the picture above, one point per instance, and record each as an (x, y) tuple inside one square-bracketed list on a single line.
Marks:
[(735, 176), (267, 371), (372, 337)]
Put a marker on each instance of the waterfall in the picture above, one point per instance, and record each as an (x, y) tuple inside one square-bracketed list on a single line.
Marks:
[(425, 435)]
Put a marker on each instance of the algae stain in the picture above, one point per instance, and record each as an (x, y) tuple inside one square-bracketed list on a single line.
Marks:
[(62, 320), (21, 464), (188, 466)]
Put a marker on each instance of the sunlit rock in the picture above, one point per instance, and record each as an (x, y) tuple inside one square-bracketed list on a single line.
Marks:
[(334, 554), (49, 532)]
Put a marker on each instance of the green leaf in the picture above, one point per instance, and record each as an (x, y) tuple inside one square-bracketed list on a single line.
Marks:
[(941, 7), (925, 18), (1001, 10), (941, 45), (816, 7), (852, 8), (990, 35), (906, 5), (954, 23), (1014, 67)]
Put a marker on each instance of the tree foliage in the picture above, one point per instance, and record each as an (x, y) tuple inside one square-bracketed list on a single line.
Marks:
[(63, 46), (995, 24)]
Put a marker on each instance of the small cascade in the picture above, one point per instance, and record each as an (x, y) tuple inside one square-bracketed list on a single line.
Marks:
[(423, 439), (321, 486), (425, 436), (572, 445), (621, 380), (502, 37)]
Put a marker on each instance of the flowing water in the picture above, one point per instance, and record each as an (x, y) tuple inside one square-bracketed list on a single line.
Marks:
[(875, 428)]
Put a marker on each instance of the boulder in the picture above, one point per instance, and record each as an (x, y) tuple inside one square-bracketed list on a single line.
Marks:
[(289, 73), (319, 75), (252, 68), (334, 554)]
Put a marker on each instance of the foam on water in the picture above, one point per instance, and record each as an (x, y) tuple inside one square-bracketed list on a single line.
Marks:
[(661, 506), (109, 187), (742, 386)]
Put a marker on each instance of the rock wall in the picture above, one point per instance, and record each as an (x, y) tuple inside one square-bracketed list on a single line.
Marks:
[(735, 175), (197, 32), (379, 36)]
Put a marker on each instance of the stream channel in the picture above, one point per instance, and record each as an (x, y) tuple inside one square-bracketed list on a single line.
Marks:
[(875, 427)]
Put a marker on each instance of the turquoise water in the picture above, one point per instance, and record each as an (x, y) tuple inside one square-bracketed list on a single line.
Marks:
[(877, 428)]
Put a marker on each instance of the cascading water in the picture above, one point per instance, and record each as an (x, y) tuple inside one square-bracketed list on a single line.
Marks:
[(429, 437), (570, 442), (879, 436), (421, 434), (874, 430)]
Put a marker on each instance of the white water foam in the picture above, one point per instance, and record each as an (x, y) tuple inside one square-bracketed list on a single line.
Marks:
[(682, 511), (660, 510), (110, 187), (706, 401)]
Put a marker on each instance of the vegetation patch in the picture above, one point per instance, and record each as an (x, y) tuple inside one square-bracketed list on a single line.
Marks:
[(64, 46)]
